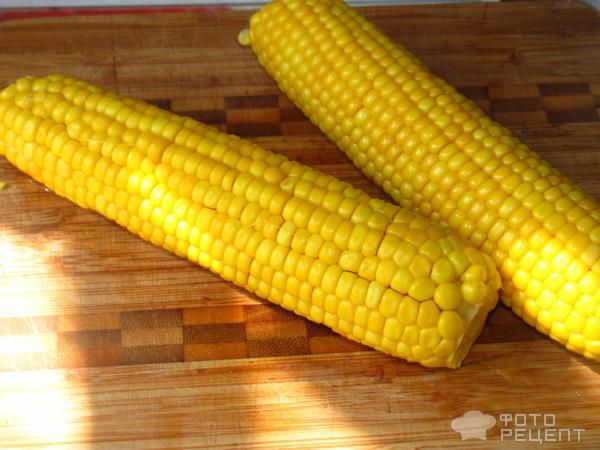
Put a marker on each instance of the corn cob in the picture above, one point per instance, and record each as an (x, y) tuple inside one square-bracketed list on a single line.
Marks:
[(371, 271), (435, 152)]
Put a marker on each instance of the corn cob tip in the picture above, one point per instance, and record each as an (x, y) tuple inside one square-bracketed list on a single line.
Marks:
[(475, 318), (244, 37), (470, 335)]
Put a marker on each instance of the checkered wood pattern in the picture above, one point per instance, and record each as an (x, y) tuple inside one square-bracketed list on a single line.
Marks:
[(257, 331), (188, 334), (275, 115), (162, 336)]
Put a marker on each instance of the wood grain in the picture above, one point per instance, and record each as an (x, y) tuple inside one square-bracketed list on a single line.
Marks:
[(109, 342), (367, 400)]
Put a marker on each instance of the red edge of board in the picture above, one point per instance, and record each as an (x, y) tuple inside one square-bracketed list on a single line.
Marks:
[(14, 14)]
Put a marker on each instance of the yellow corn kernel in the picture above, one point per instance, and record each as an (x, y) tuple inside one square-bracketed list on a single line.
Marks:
[(421, 289), (442, 271), (448, 296), (389, 303), (393, 330), (450, 324), (428, 315), (402, 281)]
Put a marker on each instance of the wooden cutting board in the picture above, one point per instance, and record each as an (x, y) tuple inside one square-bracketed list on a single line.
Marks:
[(109, 342)]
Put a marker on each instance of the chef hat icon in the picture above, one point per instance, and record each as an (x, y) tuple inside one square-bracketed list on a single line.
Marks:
[(473, 425)]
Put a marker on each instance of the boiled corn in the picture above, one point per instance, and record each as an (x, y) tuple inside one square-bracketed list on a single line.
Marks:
[(435, 152), (309, 242)]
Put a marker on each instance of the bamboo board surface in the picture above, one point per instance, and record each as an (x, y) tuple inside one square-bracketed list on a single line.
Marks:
[(109, 342)]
